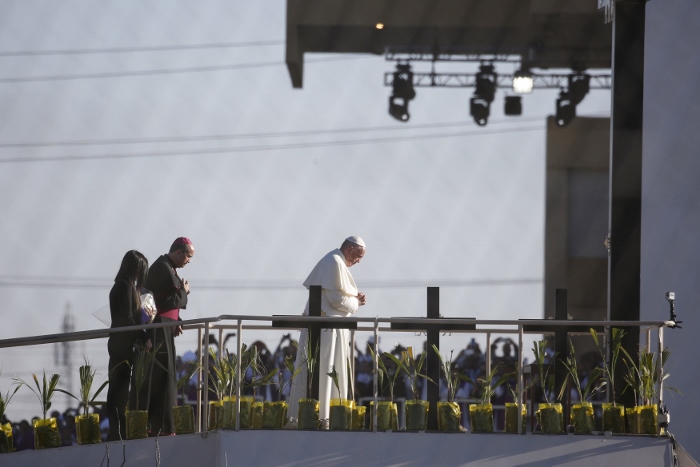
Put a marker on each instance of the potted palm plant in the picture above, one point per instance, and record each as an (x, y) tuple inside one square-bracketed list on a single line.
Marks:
[(261, 377), (137, 419), (340, 410), (449, 413), (512, 408), (45, 429), (643, 378), (219, 377), (582, 413), (358, 411), (275, 413), (549, 415), (387, 414), (6, 429), (481, 414), (87, 425), (183, 415), (308, 415), (416, 409), (249, 357), (613, 413)]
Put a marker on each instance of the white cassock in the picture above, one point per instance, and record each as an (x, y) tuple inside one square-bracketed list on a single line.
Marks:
[(338, 298)]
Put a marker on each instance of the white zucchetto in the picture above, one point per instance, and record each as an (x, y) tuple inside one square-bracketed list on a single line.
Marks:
[(357, 241)]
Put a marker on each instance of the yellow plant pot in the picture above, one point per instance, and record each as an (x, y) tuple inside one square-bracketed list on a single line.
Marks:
[(481, 417), (6, 438), (216, 415), (581, 417), (387, 416), (512, 417), (340, 414), (46, 434), (256, 417), (308, 414), (87, 429), (136, 424), (551, 418), (613, 418), (358, 417), (648, 419), (417, 415), (183, 418), (274, 414), (632, 415), (449, 416)]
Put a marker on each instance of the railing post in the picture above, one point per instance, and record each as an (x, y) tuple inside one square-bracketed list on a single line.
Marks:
[(315, 335), (200, 379), (520, 379), (433, 360), (376, 372), (205, 388), (660, 380), (239, 358)]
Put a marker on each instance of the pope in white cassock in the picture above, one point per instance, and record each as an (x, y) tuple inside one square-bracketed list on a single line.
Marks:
[(339, 297)]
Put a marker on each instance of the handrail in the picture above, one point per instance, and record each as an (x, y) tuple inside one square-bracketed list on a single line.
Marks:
[(517, 327)]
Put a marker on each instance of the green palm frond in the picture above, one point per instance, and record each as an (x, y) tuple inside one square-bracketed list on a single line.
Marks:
[(540, 352), (5, 400), (43, 392), (86, 375), (609, 369), (594, 383), (487, 386), (411, 368), (452, 375), (384, 373)]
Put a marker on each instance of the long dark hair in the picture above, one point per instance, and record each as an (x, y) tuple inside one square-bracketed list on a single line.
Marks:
[(134, 270)]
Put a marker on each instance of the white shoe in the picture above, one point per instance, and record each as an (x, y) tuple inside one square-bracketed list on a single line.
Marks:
[(292, 424)]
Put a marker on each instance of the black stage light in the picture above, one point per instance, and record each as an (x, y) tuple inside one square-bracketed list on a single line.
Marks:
[(579, 85), (514, 105), (566, 109), (479, 109), (485, 89), (402, 93)]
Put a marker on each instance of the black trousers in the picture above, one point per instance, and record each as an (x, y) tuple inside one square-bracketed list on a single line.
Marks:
[(162, 383), (121, 359)]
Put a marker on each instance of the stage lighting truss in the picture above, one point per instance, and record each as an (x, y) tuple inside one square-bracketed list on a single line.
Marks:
[(574, 88)]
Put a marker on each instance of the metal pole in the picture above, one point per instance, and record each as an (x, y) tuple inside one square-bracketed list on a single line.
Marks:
[(376, 372), (660, 380), (200, 385), (238, 376), (206, 383), (626, 125), (520, 379)]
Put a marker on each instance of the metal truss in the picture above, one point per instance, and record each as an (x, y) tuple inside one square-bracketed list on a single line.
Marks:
[(450, 57), (503, 81)]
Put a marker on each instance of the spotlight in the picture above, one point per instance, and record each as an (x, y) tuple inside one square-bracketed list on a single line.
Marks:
[(566, 109), (523, 82), (479, 109), (402, 93), (485, 89), (514, 105), (579, 85)]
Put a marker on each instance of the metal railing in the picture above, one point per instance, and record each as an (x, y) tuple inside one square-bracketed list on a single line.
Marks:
[(376, 326)]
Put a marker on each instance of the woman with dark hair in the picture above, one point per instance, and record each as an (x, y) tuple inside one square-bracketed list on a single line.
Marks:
[(125, 309)]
